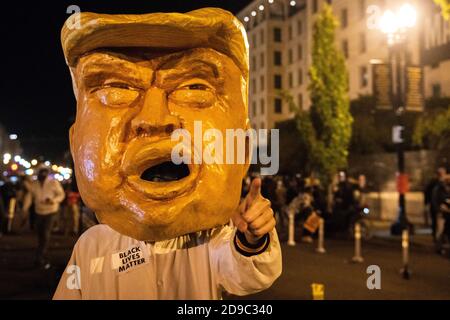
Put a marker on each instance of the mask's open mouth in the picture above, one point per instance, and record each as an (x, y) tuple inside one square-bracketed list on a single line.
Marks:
[(150, 172), (166, 172)]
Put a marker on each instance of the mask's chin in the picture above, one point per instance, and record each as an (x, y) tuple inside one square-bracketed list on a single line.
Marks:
[(165, 172)]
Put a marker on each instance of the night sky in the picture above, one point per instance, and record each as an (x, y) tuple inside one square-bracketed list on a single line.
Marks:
[(37, 101)]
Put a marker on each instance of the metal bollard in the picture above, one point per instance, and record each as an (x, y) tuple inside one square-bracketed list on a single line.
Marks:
[(357, 258), (320, 243), (11, 211), (405, 251), (291, 240)]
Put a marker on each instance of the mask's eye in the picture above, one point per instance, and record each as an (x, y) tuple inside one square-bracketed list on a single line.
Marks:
[(196, 86), (196, 93), (117, 95)]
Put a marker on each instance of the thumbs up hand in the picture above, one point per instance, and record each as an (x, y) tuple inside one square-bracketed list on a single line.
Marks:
[(254, 216)]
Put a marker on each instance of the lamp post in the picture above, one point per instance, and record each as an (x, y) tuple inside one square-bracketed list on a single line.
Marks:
[(396, 26)]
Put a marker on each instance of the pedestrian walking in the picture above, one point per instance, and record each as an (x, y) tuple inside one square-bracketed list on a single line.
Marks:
[(433, 205), (443, 241), (72, 210), (47, 196)]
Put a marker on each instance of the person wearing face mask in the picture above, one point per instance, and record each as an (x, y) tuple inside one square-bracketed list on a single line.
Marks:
[(168, 229), (47, 195)]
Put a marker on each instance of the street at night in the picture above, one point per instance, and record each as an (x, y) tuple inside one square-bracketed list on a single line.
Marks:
[(246, 153), (302, 265)]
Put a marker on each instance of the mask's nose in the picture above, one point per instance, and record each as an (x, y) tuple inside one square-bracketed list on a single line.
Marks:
[(154, 118)]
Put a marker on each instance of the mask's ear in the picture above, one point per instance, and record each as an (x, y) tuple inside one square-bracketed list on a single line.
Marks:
[(71, 140)]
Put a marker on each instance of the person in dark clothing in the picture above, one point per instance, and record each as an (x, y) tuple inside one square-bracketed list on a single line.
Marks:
[(2, 209), (8, 191), (344, 200), (444, 210), (428, 195), (292, 190)]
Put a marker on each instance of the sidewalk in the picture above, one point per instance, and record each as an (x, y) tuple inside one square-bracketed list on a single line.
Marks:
[(420, 239)]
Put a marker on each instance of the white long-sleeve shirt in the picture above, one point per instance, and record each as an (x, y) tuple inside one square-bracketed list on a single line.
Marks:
[(108, 265), (50, 189)]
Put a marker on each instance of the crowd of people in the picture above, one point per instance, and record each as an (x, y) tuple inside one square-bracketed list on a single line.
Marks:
[(346, 203), (307, 199), (437, 202), (44, 205)]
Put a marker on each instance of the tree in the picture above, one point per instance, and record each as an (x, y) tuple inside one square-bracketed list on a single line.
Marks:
[(329, 121), (434, 129), (445, 6), (365, 132)]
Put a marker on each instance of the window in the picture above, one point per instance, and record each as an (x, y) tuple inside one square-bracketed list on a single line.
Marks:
[(300, 77), (277, 35), (436, 90), (261, 36), (263, 107), (254, 40), (362, 9), (344, 18), (300, 52), (362, 42), (290, 32), (364, 77), (254, 109), (261, 60), (290, 56), (345, 48), (277, 61), (299, 27), (261, 82), (315, 6), (278, 105), (263, 126), (253, 86), (254, 62), (291, 80), (300, 101), (278, 81)]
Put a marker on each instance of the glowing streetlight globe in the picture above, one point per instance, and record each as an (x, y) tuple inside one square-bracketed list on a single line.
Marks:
[(388, 22), (407, 16)]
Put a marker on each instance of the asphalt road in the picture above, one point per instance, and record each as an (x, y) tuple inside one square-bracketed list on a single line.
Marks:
[(344, 280), (301, 267)]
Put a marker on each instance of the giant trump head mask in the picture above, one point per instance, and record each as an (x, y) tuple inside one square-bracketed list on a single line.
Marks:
[(138, 79)]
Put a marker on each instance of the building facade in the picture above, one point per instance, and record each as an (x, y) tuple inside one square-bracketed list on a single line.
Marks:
[(436, 53), (280, 40)]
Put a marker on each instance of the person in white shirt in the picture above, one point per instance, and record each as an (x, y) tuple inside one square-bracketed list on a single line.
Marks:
[(47, 195), (168, 230)]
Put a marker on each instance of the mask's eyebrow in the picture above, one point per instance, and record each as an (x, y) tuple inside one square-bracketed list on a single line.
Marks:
[(97, 70), (180, 70)]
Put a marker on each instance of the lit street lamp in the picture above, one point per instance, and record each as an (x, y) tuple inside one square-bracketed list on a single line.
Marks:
[(396, 26)]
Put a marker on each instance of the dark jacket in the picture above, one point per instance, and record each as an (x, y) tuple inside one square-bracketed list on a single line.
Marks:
[(438, 196)]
